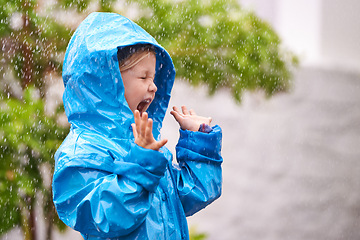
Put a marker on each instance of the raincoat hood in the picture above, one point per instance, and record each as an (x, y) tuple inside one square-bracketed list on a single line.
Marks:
[(94, 91)]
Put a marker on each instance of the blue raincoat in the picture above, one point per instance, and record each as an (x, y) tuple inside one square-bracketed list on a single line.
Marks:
[(104, 185)]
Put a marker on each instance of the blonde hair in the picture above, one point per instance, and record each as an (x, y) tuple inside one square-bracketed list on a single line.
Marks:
[(132, 55)]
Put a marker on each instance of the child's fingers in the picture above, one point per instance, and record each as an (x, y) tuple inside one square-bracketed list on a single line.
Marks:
[(176, 115), (177, 110), (184, 110), (161, 143), (143, 125), (192, 112), (137, 120), (134, 130), (148, 131)]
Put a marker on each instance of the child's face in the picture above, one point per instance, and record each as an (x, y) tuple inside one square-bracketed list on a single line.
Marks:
[(139, 83)]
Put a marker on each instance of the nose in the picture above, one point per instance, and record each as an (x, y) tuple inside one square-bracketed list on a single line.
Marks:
[(152, 87)]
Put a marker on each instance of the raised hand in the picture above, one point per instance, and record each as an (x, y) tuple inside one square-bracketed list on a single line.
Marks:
[(142, 130), (188, 120)]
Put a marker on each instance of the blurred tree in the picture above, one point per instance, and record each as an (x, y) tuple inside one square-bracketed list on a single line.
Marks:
[(31, 44), (219, 44), (214, 42), (28, 141)]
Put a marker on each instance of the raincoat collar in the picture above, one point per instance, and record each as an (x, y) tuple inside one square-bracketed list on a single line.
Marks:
[(94, 92)]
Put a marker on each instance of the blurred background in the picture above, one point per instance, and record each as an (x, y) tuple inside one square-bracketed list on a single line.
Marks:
[(281, 77)]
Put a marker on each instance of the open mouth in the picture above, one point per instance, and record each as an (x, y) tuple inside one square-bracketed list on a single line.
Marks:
[(143, 105)]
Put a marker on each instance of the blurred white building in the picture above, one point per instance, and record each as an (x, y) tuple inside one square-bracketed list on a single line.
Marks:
[(324, 33)]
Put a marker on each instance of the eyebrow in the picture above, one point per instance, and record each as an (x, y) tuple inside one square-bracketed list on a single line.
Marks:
[(147, 72)]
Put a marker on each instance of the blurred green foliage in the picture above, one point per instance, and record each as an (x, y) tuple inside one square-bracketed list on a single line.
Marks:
[(32, 45), (213, 42), (195, 235), (31, 42), (219, 44), (28, 141)]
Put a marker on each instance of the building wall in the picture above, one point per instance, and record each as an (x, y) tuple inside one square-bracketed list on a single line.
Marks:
[(324, 33), (340, 33)]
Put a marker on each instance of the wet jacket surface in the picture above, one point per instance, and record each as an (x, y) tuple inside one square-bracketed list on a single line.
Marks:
[(104, 185)]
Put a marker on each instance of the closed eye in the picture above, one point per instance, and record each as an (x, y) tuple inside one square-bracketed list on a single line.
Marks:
[(147, 77)]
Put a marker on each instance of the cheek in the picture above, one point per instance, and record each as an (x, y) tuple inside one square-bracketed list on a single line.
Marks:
[(129, 93), (128, 83), (134, 93), (133, 89)]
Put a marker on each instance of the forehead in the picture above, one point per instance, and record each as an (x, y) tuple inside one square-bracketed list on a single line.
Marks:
[(144, 60), (138, 55)]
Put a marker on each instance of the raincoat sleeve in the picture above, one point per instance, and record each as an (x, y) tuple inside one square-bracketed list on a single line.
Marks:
[(98, 194), (199, 176)]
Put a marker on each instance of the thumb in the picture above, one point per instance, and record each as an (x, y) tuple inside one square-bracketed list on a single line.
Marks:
[(161, 143)]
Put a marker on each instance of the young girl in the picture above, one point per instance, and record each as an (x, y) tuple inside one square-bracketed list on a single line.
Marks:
[(114, 178)]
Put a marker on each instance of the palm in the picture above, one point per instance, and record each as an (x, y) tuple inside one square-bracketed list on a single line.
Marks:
[(188, 119), (142, 130)]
